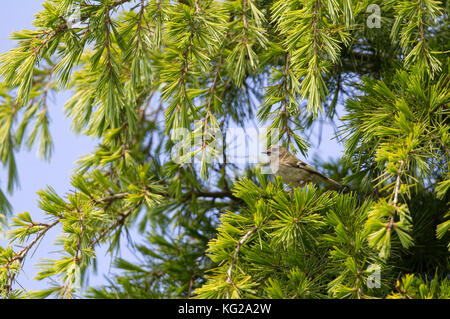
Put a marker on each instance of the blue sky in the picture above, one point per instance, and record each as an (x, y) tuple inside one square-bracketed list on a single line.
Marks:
[(36, 174)]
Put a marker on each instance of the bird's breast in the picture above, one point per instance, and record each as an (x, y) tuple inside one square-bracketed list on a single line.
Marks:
[(292, 175)]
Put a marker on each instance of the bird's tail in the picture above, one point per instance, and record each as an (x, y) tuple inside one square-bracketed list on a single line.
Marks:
[(338, 186), (335, 185)]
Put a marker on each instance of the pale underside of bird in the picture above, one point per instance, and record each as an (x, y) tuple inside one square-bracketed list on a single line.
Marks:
[(294, 171)]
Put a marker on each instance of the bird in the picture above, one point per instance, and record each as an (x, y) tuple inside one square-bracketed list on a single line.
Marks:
[(294, 171)]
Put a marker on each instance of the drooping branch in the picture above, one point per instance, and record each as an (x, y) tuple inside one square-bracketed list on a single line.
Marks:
[(119, 222), (23, 253)]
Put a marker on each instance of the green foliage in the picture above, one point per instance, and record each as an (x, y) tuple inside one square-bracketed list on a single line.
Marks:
[(411, 24), (391, 128), (411, 287), (151, 77), (304, 244)]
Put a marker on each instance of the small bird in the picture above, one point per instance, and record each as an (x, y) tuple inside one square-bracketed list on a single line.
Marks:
[(294, 171)]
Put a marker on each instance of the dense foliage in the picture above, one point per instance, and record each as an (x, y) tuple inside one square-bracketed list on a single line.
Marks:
[(150, 75)]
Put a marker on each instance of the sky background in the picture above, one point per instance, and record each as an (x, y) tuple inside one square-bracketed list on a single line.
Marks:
[(36, 174)]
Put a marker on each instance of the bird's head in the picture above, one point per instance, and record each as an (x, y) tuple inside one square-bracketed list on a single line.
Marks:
[(275, 149)]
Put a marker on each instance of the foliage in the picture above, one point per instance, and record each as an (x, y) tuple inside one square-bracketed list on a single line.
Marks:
[(410, 287), (151, 77)]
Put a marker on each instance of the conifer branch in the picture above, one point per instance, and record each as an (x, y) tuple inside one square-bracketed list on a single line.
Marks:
[(110, 198), (22, 254), (119, 222), (77, 255), (236, 253), (285, 112), (396, 192), (244, 22), (209, 62), (437, 138), (235, 256)]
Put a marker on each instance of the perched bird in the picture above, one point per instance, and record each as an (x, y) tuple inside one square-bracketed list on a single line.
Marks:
[(294, 171)]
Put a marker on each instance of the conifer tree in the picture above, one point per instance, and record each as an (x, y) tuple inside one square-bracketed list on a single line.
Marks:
[(152, 77)]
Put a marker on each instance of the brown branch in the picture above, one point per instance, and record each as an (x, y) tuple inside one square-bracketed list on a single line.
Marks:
[(219, 194), (107, 40), (421, 28), (139, 25), (285, 113), (77, 255), (244, 22), (119, 221), (212, 90), (316, 31), (22, 254), (191, 283)]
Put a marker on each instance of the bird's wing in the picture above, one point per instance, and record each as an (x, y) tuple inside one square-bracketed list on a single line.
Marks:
[(309, 169), (291, 160)]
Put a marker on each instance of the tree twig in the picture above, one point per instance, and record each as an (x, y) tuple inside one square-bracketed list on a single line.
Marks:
[(447, 150), (396, 192), (235, 256), (119, 221), (22, 254)]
